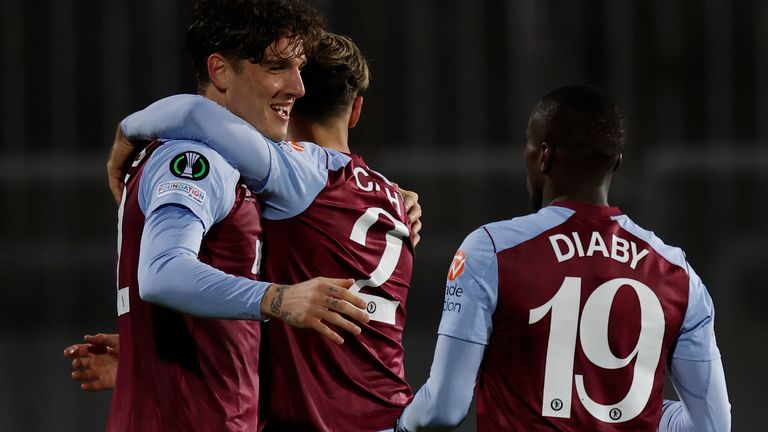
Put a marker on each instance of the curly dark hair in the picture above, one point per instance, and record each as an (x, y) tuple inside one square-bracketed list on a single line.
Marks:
[(334, 74), (244, 29)]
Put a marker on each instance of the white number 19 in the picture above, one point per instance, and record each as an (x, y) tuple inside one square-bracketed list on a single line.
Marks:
[(558, 374)]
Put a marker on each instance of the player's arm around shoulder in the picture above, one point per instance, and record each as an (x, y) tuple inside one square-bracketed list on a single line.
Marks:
[(197, 118), (298, 173)]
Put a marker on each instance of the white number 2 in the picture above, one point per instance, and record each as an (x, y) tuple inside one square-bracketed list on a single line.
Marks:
[(593, 332), (379, 308)]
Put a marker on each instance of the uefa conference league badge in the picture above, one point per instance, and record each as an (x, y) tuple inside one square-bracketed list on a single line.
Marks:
[(190, 165)]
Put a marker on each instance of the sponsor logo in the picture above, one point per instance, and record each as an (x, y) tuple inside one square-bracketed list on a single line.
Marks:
[(296, 146), (457, 266), (178, 187), (453, 295), (371, 307), (190, 165), (615, 414)]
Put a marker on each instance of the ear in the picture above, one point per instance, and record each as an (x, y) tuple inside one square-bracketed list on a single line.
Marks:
[(219, 69), (357, 108), (618, 161), (545, 160)]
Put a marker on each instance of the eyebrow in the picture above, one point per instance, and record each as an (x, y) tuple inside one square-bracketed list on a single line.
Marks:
[(283, 61)]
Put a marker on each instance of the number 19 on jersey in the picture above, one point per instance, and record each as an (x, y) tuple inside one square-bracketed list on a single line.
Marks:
[(592, 331)]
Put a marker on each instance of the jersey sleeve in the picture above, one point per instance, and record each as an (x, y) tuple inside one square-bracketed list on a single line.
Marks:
[(197, 118), (171, 275), (289, 175), (188, 174), (696, 340), (443, 401), (703, 405), (471, 290), (300, 173)]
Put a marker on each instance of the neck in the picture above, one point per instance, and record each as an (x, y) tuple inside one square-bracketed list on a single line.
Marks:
[(333, 135), (211, 93), (585, 194)]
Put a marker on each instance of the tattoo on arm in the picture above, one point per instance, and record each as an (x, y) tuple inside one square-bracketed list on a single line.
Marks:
[(277, 300), (277, 303), (289, 318)]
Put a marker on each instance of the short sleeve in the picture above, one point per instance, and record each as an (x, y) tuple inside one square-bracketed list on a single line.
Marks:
[(192, 175), (471, 290), (696, 340)]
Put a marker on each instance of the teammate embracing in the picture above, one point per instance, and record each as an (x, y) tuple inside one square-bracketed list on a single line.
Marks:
[(325, 211), (189, 235)]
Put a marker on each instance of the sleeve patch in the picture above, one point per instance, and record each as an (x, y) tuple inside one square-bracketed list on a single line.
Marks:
[(182, 188), (457, 266), (190, 165)]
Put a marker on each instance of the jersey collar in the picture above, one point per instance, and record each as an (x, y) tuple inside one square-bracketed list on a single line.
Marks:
[(589, 210)]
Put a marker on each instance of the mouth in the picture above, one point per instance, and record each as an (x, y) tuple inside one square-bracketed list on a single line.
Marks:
[(282, 110)]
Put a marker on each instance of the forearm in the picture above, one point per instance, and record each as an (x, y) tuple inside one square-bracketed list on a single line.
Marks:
[(171, 275), (444, 399), (179, 281), (703, 405)]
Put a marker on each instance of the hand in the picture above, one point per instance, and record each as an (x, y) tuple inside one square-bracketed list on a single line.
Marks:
[(119, 161), (94, 363), (309, 304), (413, 208)]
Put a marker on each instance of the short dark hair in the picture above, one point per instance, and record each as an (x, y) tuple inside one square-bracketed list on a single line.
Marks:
[(244, 29), (582, 117), (334, 75)]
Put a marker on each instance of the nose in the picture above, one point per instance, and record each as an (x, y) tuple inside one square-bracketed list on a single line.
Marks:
[(294, 86)]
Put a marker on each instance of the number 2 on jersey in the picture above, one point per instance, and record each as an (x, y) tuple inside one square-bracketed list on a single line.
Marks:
[(379, 308), (592, 329)]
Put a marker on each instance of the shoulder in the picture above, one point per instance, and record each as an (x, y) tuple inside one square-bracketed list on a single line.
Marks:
[(307, 152), (672, 254), (189, 174), (190, 159), (513, 232)]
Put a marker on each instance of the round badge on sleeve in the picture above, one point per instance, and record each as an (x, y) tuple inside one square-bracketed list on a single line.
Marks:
[(190, 165)]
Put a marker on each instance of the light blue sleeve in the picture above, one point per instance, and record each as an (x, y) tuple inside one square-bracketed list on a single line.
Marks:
[(696, 340), (206, 189), (288, 175), (471, 290), (299, 175), (443, 401), (703, 405), (171, 275)]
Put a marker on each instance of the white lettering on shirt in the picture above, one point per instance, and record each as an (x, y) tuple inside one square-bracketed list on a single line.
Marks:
[(365, 184), (622, 250)]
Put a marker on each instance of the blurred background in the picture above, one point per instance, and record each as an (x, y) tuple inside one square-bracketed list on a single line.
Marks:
[(453, 83)]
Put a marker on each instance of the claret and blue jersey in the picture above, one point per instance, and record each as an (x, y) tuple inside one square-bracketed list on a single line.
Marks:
[(176, 371), (325, 213), (581, 310)]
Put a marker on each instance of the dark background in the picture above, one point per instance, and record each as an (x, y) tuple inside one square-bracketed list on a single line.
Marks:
[(453, 82)]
